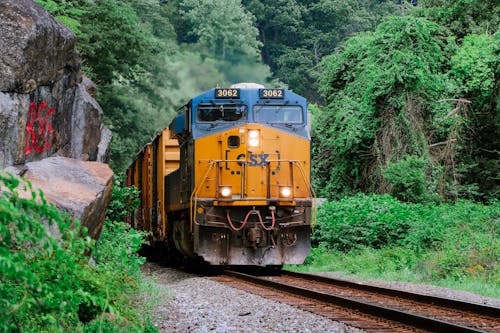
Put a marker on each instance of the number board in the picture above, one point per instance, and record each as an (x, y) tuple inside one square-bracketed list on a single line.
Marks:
[(227, 93), (272, 93)]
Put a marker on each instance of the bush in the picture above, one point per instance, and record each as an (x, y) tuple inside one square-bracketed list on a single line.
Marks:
[(374, 221), (408, 179), (382, 237), (48, 283)]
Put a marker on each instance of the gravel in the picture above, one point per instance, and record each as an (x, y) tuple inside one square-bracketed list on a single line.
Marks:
[(189, 303)]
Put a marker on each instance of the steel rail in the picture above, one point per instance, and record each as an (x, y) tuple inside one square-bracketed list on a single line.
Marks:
[(414, 320), (475, 308)]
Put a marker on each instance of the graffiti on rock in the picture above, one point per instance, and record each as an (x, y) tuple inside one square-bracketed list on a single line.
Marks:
[(40, 132)]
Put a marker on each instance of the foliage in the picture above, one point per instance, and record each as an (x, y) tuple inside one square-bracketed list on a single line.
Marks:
[(223, 27), (475, 68), (408, 179), (463, 17), (118, 46), (361, 220), (377, 235), (47, 280), (118, 244), (68, 13), (379, 88), (313, 30)]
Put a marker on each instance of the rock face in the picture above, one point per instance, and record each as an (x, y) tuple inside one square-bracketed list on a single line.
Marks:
[(82, 189), (46, 105), (50, 122)]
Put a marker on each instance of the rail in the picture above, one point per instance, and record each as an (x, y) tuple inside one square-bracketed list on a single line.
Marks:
[(369, 307)]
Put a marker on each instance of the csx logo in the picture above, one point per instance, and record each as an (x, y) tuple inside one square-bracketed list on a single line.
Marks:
[(254, 159)]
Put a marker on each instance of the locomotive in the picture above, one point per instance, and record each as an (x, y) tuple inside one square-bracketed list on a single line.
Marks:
[(228, 181)]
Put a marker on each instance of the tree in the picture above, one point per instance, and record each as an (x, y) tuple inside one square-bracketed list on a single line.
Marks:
[(297, 34), (382, 90), (463, 17), (223, 27)]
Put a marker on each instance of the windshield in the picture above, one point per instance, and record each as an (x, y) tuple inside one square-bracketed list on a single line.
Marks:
[(289, 114), (220, 112)]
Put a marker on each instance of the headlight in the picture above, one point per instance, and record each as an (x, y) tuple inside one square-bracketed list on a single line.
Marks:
[(285, 191), (225, 191), (253, 138)]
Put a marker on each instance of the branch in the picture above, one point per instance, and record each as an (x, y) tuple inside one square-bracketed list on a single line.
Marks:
[(442, 143)]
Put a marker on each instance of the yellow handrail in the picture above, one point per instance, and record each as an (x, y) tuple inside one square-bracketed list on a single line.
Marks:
[(195, 192), (311, 191), (194, 195)]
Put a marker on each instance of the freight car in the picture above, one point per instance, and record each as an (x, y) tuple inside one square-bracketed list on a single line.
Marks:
[(228, 181)]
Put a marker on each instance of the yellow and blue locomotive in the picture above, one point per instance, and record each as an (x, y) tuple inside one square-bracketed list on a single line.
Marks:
[(229, 180)]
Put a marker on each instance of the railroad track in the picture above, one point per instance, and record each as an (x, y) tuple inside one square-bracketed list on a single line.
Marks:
[(371, 308)]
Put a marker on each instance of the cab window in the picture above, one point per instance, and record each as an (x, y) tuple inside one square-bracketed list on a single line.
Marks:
[(289, 114), (220, 112)]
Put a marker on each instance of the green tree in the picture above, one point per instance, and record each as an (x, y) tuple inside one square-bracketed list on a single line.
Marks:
[(69, 13), (381, 90), (297, 34), (223, 27), (463, 17)]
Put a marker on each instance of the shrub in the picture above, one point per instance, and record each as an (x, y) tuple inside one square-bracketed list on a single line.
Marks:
[(380, 236), (363, 220), (48, 283), (45, 281), (408, 179)]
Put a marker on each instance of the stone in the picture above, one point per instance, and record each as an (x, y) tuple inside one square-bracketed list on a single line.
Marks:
[(103, 148), (13, 114), (85, 125), (47, 106), (34, 47), (82, 189)]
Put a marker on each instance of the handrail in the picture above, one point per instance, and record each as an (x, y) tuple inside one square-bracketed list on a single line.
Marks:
[(194, 193), (311, 191), (194, 198)]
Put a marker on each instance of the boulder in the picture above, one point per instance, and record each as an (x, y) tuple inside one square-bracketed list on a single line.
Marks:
[(34, 47), (47, 106), (13, 115), (82, 189), (86, 125)]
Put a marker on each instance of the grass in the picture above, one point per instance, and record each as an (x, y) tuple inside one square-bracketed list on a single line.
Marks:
[(395, 265)]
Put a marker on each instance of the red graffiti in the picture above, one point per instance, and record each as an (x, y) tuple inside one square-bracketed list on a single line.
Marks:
[(39, 129)]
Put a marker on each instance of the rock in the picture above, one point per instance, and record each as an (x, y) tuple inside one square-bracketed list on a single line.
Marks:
[(50, 122), (82, 189), (86, 125), (90, 87), (13, 114), (103, 148), (34, 47), (47, 106)]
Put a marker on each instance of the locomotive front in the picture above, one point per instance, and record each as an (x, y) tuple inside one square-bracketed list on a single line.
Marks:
[(245, 162)]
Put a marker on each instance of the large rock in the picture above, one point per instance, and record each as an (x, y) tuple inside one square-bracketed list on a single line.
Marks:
[(12, 127), (82, 189), (34, 47), (47, 106)]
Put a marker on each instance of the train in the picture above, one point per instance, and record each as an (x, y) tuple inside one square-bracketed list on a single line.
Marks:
[(228, 181)]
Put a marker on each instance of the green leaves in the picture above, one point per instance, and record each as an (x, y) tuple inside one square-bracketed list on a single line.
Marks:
[(223, 27), (47, 282), (431, 242), (379, 88)]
